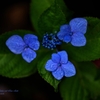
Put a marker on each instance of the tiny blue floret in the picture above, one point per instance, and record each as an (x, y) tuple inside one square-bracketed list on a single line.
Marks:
[(74, 32), (25, 46), (60, 66), (50, 41)]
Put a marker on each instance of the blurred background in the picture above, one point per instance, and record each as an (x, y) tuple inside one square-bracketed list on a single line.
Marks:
[(15, 15)]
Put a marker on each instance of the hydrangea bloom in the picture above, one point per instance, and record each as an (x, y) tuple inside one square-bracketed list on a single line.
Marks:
[(60, 66), (25, 46), (74, 32), (50, 41)]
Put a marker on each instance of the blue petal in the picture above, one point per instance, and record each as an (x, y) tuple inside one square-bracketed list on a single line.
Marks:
[(64, 30), (61, 35), (64, 56), (32, 41), (78, 25), (69, 69), (58, 74), (16, 44), (78, 39), (28, 55), (67, 38), (51, 66), (56, 58)]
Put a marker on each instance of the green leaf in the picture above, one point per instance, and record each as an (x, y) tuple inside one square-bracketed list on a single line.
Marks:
[(47, 76), (83, 85), (37, 8), (87, 73), (91, 50), (67, 12), (48, 15), (70, 89), (12, 65), (51, 19)]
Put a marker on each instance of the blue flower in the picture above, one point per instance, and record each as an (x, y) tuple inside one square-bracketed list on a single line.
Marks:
[(60, 66), (50, 41), (25, 46), (74, 32)]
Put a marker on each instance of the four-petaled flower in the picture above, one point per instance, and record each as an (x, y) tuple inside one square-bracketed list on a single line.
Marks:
[(25, 46), (74, 32), (60, 66)]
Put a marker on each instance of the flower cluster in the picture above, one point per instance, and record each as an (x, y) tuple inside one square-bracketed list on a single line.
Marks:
[(50, 41), (59, 64)]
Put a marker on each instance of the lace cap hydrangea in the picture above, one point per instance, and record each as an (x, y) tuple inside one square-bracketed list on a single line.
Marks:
[(74, 32), (60, 66), (25, 46)]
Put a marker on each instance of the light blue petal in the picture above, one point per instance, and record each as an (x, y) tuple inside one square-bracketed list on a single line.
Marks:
[(51, 66), (32, 41), (56, 58), (58, 74), (78, 39), (61, 35), (64, 30), (67, 38), (69, 69), (64, 56), (16, 44), (28, 55), (78, 25)]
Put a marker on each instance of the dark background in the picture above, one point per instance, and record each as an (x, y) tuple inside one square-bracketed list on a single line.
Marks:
[(15, 15)]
